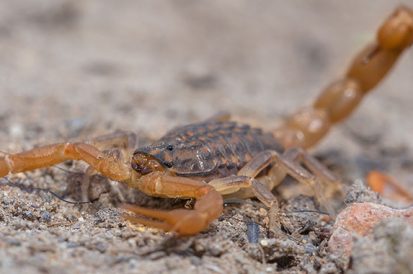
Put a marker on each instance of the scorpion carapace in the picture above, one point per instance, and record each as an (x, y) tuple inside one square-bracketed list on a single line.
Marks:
[(209, 149), (208, 160)]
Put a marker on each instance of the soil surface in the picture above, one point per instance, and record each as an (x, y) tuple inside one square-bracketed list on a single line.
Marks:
[(71, 70)]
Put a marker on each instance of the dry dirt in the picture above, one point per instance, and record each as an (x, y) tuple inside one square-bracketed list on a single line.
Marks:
[(74, 69)]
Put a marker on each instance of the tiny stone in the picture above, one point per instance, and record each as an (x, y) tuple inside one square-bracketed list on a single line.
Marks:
[(328, 268), (253, 232), (310, 249), (101, 247), (199, 248), (72, 245), (270, 269), (46, 217), (262, 211), (264, 243), (28, 215), (195, 261), (215, 251), (13, 242)]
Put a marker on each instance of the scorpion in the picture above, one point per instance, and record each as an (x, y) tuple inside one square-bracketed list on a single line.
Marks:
[(219, 158)]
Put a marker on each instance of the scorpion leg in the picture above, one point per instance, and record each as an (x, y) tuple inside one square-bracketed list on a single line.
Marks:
[(208, 206), (318, 169), (336, 102), (125, 141), (331, 185), (233, 184), (388, 187), (291, 161), (287, 163), (118, 144), (108, 165), (245, 181), (245, 186)]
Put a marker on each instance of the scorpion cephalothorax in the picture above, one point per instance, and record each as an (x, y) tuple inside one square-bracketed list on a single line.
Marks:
[(214, 158)]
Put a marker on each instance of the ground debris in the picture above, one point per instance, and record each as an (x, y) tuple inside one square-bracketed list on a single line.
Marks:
[(358, 221)]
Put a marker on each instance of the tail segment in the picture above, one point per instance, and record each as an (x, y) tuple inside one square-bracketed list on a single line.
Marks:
[(336, 102)]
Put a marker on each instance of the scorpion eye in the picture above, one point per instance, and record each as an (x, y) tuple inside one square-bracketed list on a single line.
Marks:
[(170, 147), (168, 164)]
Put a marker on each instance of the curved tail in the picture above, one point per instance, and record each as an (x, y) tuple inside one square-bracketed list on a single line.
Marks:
[(336, 102)]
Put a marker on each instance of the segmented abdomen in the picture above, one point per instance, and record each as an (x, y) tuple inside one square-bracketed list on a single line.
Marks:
[(217, 148)]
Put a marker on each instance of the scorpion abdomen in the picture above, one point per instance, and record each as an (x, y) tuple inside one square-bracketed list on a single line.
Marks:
[(211, 148)]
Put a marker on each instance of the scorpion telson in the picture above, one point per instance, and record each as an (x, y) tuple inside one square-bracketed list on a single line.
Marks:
[(217, 157)]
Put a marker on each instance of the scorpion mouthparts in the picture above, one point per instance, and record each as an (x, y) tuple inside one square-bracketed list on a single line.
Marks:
[(145, 164), (141, 169)]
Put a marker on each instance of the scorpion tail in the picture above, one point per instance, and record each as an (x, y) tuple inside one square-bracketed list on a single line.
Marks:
[(336, 102)]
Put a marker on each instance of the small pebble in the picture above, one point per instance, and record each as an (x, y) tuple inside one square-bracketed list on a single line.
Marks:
[(262, 212), (28, 215), (101, 247), (13, 242), (195, 261), (45, 217), (215, 251), (270, 269), (72, 245), (310, 249), (360, 219), (253, 232), (264, 243)]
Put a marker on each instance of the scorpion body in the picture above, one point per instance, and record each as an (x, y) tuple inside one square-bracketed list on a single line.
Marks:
[(217, 158), (210, 149)]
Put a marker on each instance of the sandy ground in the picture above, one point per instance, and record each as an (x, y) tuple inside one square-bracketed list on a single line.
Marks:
[(74, 69)]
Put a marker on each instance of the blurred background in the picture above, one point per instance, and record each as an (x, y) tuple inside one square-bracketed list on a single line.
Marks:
[(73, 68)]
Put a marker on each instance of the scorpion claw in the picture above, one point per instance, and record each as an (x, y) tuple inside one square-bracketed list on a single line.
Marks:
[(182, 221), (147, 222)]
